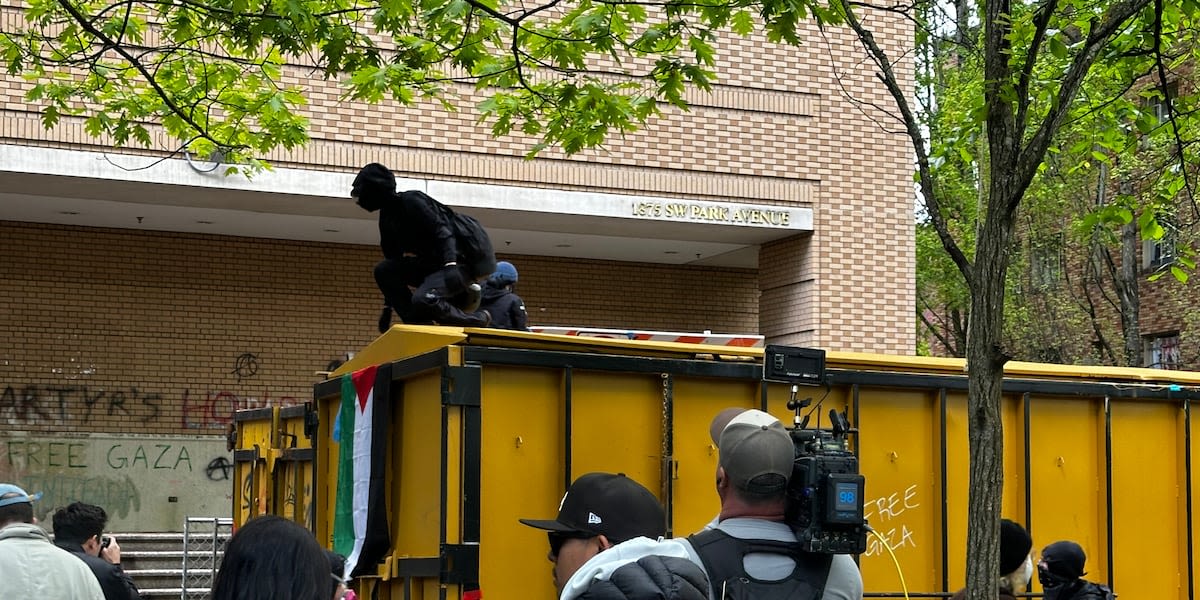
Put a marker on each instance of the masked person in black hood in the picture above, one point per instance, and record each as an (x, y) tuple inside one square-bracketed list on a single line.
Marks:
[(1060, 571), (505, 306), (420, 275)]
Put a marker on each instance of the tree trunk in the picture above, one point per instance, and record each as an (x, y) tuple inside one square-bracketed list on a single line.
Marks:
[(1127, 292), (985, 372)]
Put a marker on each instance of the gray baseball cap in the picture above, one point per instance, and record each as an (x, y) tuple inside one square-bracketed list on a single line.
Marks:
[(756, 452)]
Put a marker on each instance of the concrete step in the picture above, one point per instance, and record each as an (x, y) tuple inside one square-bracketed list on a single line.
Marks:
[(155, 562), (175, 592)]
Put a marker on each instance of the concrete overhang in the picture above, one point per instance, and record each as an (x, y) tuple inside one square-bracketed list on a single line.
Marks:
[(46, 185)]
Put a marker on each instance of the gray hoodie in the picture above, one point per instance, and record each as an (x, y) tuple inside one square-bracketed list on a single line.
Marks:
[(32, 567)]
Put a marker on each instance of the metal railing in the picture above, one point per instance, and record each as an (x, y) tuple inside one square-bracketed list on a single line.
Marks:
[(203, 546)]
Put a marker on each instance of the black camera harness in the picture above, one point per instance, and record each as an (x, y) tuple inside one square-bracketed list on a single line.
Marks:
[(723, 556)]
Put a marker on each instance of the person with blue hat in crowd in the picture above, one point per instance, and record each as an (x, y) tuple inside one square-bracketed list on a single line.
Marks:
[(31, 566), (506, 307)]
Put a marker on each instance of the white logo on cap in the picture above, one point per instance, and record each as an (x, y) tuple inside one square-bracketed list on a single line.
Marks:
[(593, 519)]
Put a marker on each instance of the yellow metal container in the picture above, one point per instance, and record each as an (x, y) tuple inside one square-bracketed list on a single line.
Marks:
[(490, 426)]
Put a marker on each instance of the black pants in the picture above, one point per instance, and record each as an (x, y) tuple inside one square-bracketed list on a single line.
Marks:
[(431, 302)]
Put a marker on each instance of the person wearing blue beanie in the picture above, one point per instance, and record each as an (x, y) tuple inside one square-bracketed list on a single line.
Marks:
[(505, 307)]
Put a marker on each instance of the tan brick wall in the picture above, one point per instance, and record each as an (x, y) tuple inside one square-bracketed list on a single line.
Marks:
[(111, 330), (786, 126)]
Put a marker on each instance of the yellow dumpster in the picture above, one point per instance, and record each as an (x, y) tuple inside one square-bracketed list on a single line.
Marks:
[(490, 426)]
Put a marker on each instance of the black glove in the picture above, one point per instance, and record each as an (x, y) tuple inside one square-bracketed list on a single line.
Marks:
[(453, 277)]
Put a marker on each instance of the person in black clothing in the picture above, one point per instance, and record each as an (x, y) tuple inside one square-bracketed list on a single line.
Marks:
[(419, 275), (506, 308), (79, 529), (603, 545), (1060, 572)]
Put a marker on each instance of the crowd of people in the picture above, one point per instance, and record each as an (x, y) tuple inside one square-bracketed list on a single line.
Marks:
[(606, 543)]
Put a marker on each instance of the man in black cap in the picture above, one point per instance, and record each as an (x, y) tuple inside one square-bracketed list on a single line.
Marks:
[(420, 275), (605, 545), (1060, 572)]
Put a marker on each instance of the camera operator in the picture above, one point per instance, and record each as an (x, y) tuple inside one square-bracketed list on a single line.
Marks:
[(749, 551), (79, 529)]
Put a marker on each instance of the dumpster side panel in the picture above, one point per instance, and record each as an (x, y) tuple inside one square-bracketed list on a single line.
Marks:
[(901, 453), (1147, 487), (294, 471), (253, 458), (415, 477), (617, 422), (1067, 466), (697, 399), (521, 475), (325, 469)]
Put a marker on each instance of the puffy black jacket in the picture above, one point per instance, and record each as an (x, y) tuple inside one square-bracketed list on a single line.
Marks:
[(507, 309), (652, 578)]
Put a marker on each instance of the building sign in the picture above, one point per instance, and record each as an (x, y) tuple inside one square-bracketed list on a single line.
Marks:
[(713, 213)]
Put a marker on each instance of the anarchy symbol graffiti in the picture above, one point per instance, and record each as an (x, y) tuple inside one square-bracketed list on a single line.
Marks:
[(246, 366), (218, 469)]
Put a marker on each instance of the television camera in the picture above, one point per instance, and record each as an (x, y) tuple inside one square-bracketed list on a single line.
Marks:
[(825, 492)]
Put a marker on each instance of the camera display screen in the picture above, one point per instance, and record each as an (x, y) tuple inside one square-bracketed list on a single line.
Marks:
[(846, 497)]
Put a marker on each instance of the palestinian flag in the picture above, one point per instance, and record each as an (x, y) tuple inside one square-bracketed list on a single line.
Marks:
[(360, 528)]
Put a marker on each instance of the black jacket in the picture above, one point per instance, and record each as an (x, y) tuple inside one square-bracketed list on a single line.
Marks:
[(410, 225), (408, 222), (114, 581), (507, 309), (1079, 590), (652, 578)]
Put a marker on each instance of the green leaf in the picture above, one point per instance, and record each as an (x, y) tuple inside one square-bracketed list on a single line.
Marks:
[(1179, 274), (743, 23), (1057, 47), (1146, 123)]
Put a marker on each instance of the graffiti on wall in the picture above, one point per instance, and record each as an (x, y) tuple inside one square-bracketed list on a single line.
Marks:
[(884, 515), (144, 482), (33, 404), (188, 408)]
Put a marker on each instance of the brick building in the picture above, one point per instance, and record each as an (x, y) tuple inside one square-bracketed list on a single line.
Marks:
[(153, 296)]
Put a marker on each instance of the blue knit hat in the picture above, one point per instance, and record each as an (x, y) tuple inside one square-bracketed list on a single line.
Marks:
[(506, 273)]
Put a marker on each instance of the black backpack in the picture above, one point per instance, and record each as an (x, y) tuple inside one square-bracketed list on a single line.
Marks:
[(475, 253), (722, 556)]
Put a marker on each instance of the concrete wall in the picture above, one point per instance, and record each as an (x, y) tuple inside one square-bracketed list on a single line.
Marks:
[(145, 483)]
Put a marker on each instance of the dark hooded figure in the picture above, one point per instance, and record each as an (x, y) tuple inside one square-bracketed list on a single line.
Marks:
[(1060, 572), (506, 307), (419, 275)]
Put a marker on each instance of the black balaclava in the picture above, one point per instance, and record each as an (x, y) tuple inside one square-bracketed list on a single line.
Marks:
[(1060, 568), (373, 187)]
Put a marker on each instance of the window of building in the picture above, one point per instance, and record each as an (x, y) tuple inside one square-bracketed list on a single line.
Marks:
[(1161, 252), (1161, 351), (1158, 104), (1045, 262)]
